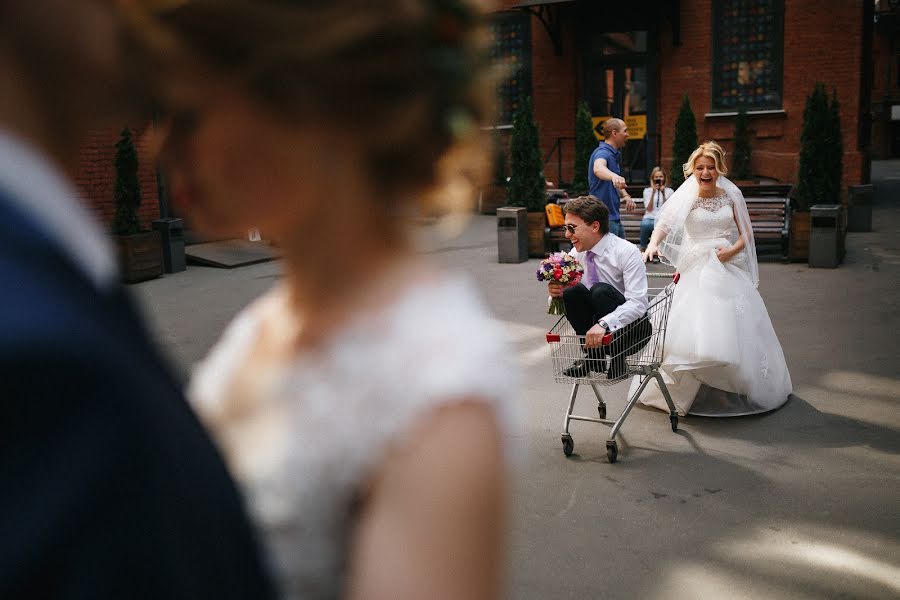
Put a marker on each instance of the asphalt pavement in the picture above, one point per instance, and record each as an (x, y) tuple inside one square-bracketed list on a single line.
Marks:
[(802, 502)]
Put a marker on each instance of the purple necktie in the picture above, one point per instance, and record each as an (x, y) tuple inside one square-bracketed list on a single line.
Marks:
[(590, 270)]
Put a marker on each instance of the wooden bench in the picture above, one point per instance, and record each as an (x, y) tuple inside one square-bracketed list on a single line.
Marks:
[(770, 215), (631, 221), (769, 207)]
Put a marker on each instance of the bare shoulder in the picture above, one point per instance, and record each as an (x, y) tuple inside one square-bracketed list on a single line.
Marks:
[(462, 439), (432, 522)]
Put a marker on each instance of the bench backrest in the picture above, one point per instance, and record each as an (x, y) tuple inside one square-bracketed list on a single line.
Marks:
[(769, 208)]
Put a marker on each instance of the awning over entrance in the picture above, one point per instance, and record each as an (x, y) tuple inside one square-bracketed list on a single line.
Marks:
[(547, 13)]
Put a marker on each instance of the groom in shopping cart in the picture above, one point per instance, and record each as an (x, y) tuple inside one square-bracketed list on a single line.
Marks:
[(612, 295)]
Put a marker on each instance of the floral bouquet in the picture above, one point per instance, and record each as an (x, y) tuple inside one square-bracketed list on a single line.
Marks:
[(563, 269)]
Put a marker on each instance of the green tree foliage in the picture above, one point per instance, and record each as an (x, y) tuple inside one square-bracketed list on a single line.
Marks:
[(527, 186), (685, 141), (127, 187), (821, 152), (585, 142), (835, 150), (740, 164)]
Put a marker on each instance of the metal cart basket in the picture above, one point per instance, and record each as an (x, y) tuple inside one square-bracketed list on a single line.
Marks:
[(634, 351)]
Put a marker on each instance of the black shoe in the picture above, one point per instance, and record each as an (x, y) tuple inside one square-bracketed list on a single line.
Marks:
[(578, 369), (617, 368)]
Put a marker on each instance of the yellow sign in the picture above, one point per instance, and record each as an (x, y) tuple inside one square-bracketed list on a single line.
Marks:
[(637, 126), (597, 121)]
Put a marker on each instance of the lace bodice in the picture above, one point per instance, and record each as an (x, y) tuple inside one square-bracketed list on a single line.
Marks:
[(710, 218), (710, 225), (303, 455)]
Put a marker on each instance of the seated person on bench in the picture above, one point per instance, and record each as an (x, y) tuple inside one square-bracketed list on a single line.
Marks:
[(612, 295)]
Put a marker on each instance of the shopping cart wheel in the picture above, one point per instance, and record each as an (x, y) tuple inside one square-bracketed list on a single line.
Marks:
[(612, 451), (601, 410), (568, 444), (674, 420)]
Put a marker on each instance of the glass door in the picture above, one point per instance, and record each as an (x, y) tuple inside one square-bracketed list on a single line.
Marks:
[(618, 85)]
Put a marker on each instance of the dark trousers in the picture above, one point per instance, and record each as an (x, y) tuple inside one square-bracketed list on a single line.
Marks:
[(584, 307)]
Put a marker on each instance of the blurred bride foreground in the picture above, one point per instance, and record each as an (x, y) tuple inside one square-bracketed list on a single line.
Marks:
[(363, 403)]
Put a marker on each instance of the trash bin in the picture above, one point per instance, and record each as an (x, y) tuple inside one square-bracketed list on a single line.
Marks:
[(859, 209), (172, 233), (826, 248), (512, 234)]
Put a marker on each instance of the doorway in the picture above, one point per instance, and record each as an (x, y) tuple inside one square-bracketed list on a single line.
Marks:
[(620, 82)]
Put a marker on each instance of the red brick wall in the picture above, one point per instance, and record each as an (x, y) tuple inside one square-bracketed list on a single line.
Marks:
[(554, 82), (555, 100), (96, 175), (822, 42)]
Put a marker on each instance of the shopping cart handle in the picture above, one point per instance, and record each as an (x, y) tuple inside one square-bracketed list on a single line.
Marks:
[(676, 277), (554, 338)]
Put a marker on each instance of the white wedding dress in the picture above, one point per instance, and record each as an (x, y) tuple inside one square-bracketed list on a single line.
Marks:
[(304, 449), (721, 356)]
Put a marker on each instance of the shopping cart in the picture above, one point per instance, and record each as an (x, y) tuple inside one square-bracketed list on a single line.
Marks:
[(635, 351)]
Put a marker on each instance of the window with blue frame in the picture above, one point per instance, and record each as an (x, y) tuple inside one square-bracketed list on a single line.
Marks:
[(748, 54)]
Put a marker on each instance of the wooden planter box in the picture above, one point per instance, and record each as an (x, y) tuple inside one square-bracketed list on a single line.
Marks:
[(799, 250), (536, 227), (490, 198), (140, 256)]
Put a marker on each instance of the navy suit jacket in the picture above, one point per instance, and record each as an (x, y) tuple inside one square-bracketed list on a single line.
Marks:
[(109, 486)]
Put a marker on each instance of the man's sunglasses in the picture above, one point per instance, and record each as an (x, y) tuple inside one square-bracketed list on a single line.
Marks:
[(571, 228)]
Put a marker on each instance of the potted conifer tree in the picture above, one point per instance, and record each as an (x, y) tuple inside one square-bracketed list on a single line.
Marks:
[(685, 141), (527, 187), (140, 252), (821, 166), (585, 142), (741, 172)]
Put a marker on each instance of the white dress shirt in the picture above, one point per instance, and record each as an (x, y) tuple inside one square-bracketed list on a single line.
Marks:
[(41, 191), (619, 263)]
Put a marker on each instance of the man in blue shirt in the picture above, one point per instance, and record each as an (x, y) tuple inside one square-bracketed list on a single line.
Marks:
[(605, 173)]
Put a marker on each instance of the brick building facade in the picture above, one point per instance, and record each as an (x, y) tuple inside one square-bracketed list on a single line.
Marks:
[(641, 57)]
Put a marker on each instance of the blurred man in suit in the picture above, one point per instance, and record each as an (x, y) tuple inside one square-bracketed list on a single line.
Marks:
[(109, 487)]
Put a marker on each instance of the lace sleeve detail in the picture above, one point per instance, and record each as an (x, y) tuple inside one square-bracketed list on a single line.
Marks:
[(713, 204)]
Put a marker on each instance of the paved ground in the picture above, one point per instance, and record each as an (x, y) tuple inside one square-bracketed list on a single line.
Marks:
[(800, 503)]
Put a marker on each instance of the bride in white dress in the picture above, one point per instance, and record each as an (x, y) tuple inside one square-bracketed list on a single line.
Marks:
[(722, 357), (365, 403)]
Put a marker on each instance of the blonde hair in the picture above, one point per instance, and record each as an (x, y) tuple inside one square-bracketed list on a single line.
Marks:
[(709, 150), (661, 171), (409, 80)]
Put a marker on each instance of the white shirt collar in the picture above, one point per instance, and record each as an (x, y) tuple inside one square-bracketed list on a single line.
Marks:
[(45, 195), (601, 246)]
